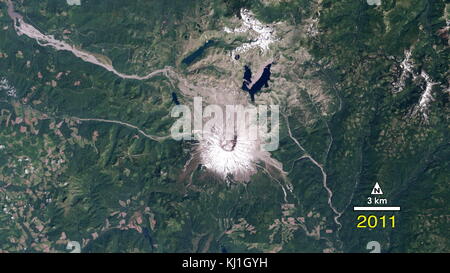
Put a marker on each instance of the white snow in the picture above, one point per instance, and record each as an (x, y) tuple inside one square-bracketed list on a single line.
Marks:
[(407, 69), (74, 2), (5, 86), (265, 33), (426, 96), (374, 2)]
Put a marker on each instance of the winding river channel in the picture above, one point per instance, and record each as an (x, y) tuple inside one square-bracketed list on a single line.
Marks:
[(22, 28)]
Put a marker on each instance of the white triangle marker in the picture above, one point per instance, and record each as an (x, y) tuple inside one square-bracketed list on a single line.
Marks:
[(377, 189)]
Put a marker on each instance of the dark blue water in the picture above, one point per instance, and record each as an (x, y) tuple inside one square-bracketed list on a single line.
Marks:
[(247, 78), (263, 81), (147, 236), (175, 98), (223, 249), (194, 55)]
